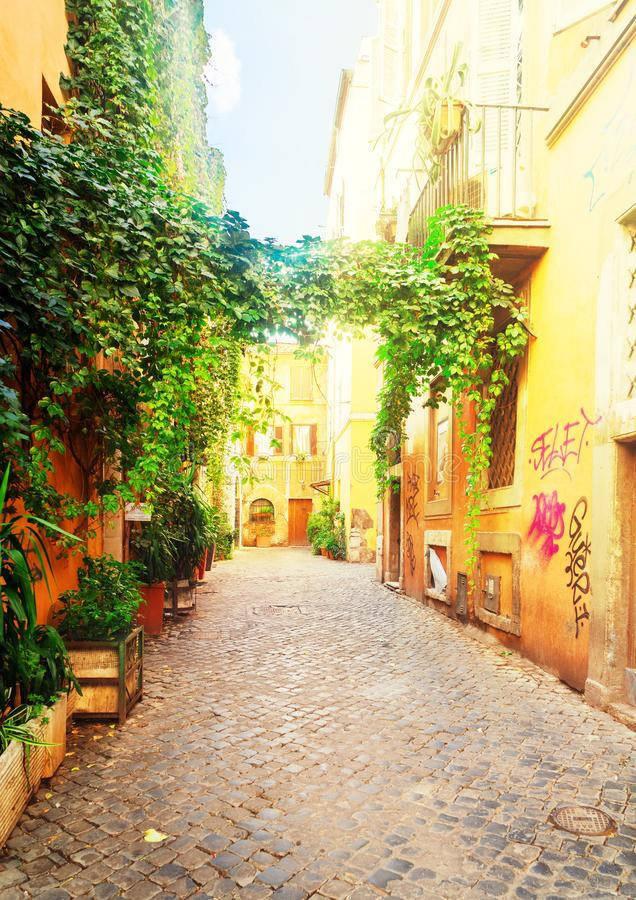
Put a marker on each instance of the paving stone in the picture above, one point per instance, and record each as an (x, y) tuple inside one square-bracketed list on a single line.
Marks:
[(55, 894), (367, 744), (274, 876), (382, 878), (167, 874)]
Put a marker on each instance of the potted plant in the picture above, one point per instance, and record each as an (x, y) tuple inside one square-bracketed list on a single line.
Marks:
[(439, 112), (35, 670), (105, 647), (153, 548), (22, 760), (326, 531), (264, 533), (187, 516)]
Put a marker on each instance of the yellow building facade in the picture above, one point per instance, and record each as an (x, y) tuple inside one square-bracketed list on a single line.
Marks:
[(287, 455), (552, 165), (351, 369), (32, 57)]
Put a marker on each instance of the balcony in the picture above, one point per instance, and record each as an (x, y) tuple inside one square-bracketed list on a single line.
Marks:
[(500, 169)]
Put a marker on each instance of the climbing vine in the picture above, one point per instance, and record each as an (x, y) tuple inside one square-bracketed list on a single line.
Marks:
[(126, 302), (434, 310)]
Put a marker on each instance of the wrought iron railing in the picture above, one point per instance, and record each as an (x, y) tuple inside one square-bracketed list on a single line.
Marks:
[(491, 167)]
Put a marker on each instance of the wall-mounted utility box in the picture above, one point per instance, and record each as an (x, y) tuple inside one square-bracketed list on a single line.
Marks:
[(492, 594)]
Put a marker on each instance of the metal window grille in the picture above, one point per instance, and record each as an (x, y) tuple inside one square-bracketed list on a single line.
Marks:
[(503, 430), (262, 512)]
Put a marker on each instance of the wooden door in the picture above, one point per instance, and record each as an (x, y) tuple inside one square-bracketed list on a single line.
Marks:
[(299, 512)]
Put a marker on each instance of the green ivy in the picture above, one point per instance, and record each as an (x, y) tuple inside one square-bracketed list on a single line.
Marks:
[(433, 309), (126, 303)]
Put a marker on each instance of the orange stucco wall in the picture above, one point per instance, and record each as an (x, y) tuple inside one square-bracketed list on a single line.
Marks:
[(32, 39)]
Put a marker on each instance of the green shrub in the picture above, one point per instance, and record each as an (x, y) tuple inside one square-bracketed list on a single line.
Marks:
[(154, 549), (326, 530), (104, 605), (34, 664)]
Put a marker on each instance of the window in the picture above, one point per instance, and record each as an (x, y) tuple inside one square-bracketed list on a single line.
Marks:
[(439, 431), (51, 122), (262, 512), (301, 386), (263, 442), (304, 439), (503, 431)]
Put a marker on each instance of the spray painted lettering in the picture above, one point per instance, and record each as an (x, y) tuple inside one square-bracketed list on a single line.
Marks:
[(548, 524), (558, 449), (576, 568)]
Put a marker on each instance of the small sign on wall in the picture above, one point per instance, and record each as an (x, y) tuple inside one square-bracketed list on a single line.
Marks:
[(137, 512)]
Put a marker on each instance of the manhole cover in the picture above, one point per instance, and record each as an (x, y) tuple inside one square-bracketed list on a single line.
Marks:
[(583, 820)]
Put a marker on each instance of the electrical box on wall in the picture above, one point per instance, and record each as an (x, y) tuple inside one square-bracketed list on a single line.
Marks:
[(461, 601), (492, 593)]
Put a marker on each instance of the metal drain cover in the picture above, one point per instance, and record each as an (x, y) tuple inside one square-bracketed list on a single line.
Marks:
[(583, 820)]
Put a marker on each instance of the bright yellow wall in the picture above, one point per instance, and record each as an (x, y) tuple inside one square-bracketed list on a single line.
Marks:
[(32, 39), (280, 476), (590, 184)]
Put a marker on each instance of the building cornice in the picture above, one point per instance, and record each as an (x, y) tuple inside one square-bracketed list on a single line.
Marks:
[(578, 91)]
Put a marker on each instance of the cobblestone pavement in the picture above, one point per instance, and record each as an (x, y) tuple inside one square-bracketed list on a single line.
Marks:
[(309, 732)]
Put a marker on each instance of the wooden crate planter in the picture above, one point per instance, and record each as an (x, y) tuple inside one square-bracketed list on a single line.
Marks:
[(181, 597), (110, 674), (71, 702), (54, 733), (19, 779)]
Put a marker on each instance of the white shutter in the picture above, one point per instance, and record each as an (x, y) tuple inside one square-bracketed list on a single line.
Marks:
[(497, 64), (391, 51)]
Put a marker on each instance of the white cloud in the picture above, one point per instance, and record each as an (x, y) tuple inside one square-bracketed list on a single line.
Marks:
[(223, 73)]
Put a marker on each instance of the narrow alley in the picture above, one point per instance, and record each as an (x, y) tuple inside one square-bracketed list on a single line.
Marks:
[(308, 731)]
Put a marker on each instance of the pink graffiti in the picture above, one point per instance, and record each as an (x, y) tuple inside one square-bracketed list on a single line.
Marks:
[(548, 523), (559, 448)]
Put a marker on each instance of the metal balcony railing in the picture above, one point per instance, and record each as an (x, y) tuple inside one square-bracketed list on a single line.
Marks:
[(493, 168)]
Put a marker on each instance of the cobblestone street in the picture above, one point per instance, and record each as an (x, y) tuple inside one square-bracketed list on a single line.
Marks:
[(309, 732)]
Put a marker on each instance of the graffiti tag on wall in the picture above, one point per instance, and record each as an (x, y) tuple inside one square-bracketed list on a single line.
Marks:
[(548, 524), (558, 449), (412, 490), (576, 569), (410, 553)]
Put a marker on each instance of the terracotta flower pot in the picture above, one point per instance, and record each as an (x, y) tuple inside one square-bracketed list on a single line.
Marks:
[(323, 552), (201, 569), (150, 612)]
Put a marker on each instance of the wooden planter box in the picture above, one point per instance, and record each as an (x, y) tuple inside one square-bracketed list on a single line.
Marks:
[(209, 559), (71, 702), (181, 597), (54, 733), (18, 780), (111, 674)]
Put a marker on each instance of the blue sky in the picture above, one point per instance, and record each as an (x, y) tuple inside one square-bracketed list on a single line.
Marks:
[(277, 65)]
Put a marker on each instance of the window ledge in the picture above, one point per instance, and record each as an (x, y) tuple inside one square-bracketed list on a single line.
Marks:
[(438, 595)]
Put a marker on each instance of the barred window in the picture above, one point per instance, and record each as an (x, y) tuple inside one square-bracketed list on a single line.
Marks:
[(262, 512), (503, 430)]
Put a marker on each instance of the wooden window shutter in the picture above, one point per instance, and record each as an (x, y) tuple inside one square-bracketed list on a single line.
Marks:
[(313, 439), (278, 436), (249, 442)]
